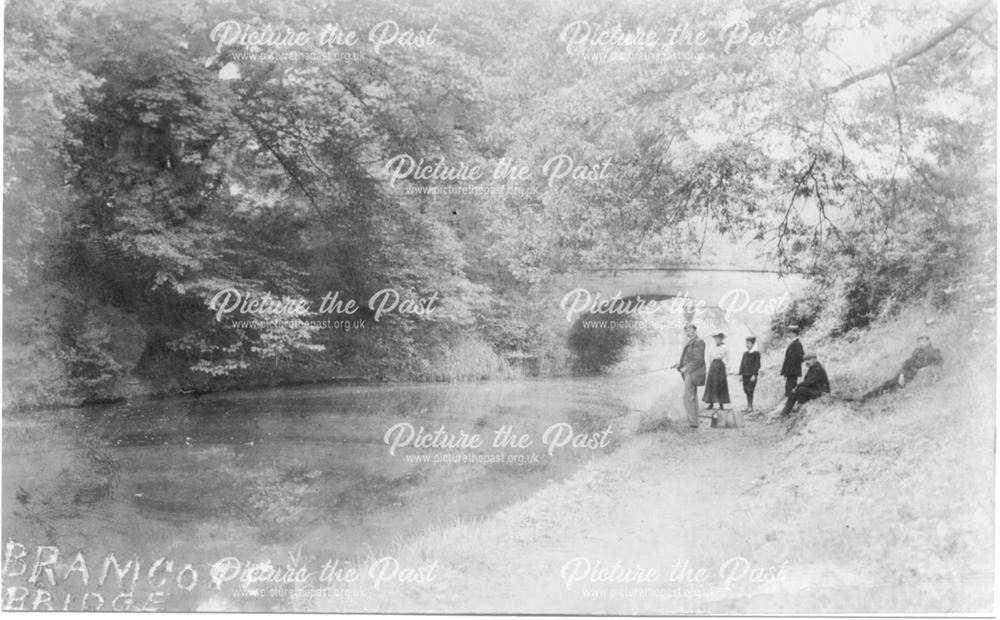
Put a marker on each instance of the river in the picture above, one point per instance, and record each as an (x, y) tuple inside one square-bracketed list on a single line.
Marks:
[(307, 475), (261, 474)]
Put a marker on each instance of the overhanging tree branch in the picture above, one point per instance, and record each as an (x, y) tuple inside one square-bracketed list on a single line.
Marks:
[(804, 13), (912, 52)]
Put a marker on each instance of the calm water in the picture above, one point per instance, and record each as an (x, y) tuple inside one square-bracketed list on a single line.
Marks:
[(303, 476), (264, 474)]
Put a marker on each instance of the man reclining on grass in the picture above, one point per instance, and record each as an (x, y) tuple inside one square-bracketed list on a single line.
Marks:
[(925, 355)]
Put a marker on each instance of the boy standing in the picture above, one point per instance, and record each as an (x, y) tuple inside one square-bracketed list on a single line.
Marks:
[(749, 369)]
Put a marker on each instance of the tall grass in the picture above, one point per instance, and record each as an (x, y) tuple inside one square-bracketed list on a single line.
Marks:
[(899, 489), (470, 359)]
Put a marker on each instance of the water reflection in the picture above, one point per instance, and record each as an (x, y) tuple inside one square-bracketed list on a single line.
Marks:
[(257, 474)]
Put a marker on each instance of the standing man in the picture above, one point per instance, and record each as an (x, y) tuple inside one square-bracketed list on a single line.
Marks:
[(692, 369), (791, 369), (813, 385)]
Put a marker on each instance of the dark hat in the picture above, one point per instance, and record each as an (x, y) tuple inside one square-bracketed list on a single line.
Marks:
[(751, 338), (718, 335)]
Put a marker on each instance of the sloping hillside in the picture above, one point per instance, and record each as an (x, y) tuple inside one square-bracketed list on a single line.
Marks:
[(880, 507), (899, 489)]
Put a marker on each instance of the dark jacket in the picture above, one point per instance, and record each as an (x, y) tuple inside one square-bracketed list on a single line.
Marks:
[(750, 363), (816, 379), (793, 360), (921, 358), (693, 360)]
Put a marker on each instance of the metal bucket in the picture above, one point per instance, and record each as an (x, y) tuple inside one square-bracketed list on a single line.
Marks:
[(727, 419)]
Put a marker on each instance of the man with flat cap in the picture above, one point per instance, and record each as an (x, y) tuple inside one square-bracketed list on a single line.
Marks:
[(791, 369), (692, 369), (923, 356), (813, 385)]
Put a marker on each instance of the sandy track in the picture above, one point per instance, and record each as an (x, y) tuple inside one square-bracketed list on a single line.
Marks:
[(664, 501)]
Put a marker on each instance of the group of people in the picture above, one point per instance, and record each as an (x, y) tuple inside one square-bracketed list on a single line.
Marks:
[(695, 373), (814, 384)]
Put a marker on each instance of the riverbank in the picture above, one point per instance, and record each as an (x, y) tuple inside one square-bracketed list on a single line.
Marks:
[(64, 350), (880, 507), (109, 356), (41, 382)]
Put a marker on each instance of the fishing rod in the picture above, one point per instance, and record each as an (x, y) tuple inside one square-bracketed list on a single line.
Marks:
[(646, 372), (675, 366)]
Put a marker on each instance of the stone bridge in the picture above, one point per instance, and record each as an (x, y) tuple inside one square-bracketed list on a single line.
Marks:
[(736, 301)]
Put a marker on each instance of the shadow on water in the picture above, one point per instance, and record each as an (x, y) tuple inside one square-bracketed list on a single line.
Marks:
[(630, 330), (304, 475), (635, 344), (605, 337)]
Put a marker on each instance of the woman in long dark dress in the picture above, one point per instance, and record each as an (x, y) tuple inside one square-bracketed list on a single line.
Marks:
[(716, 386)]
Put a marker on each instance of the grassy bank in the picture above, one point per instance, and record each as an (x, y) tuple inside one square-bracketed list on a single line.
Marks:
[(39, 371), (899, 489), (880, 507)]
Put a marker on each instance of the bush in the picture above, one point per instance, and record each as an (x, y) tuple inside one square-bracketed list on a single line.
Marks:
[(469, 359)]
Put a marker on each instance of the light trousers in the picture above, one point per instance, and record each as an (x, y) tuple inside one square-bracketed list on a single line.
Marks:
[(691, 398)]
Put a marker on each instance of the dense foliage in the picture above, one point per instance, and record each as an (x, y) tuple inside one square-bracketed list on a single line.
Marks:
[(150, 165)]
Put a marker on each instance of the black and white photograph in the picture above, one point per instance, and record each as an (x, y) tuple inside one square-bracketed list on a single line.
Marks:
[(499, 307)]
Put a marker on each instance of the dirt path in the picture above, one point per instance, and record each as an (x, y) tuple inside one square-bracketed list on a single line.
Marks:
[(663, 502)]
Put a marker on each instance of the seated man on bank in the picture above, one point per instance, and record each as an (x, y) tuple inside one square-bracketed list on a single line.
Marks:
[(813, 385), (923, 356)]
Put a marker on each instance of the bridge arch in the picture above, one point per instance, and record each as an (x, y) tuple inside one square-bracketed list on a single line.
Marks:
[(725, 300)]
